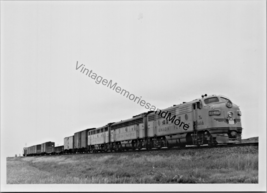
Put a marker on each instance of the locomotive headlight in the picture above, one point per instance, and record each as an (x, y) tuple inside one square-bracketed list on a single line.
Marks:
[(233, 133), (214, 112), (230, 114), (239, 113), (229, 104)]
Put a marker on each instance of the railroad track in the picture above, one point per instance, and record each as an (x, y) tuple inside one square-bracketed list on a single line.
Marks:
[(164, 149)]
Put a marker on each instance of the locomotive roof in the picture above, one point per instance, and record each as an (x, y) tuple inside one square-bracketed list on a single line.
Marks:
[(193, 101), (104, 126), (128, 120), (84, 130), (186, 103)]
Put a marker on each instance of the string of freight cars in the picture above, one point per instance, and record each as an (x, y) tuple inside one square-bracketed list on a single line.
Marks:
[(100, 80)]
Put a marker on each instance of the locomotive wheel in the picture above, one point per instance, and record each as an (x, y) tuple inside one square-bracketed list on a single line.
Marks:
[(160, 144), (212, 142), (157, 143)]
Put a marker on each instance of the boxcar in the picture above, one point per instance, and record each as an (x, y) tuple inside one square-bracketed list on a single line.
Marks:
[(38, 148), (77, 141), (34, 150), (47, 147), (68, 144), (84, 139), (71, 143), (58, 149)]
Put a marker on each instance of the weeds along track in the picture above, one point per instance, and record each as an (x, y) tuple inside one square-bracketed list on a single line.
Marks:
[(163, 149), (228, 165)]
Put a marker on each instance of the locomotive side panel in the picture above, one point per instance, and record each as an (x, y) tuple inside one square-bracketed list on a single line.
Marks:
[(175, 120), (126, 133), (131, 129), (106, 137), (140, 130), (97, 139), (112, 135), (151, 124)]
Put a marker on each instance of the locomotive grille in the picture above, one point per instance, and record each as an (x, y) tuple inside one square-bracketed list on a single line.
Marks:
[(172, 111), (184, 109), (134, 122)]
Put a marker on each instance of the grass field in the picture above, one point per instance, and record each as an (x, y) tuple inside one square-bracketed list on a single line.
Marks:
[(216, 165)]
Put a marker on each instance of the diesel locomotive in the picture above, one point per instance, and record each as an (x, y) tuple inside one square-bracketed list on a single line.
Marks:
[(210, 120)]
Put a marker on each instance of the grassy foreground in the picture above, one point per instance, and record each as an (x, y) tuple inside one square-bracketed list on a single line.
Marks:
[(217, 165)]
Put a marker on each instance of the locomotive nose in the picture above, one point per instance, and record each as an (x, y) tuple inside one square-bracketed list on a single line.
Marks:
[(233, 134)]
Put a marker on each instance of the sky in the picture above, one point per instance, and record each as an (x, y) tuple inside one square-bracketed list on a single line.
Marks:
[(167, 52)]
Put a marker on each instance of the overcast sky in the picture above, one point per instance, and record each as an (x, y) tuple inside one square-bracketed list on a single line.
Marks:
[(166, 52)]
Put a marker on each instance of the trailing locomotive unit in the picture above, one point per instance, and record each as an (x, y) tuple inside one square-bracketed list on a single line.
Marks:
[(130, 133), (122, 135), (99, 139)]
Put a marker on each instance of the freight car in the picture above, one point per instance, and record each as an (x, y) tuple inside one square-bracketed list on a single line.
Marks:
[(69, 144), (58, 150), (81, 140), (77, 141), (47, 148), (211, 120), (34, 150)]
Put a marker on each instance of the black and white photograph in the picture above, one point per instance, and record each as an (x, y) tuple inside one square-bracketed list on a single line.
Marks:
[(133, 95)]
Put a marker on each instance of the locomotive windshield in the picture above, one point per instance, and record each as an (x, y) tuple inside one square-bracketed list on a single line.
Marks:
[(225, 99), (211, 100)]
